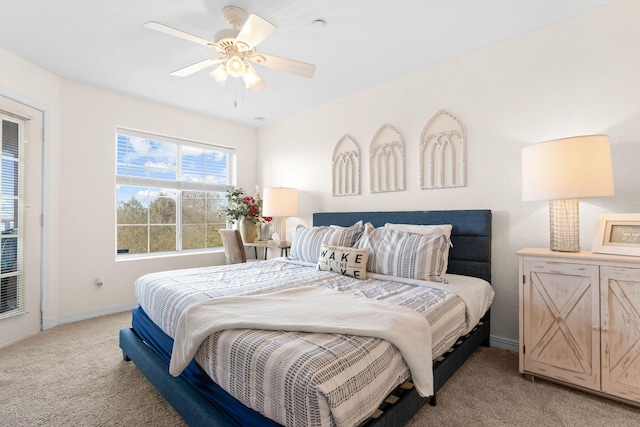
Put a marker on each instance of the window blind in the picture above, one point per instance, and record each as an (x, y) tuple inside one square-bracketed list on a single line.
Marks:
[(13, 137)]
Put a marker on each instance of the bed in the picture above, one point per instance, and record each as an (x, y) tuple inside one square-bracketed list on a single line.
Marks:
[(200, 401)]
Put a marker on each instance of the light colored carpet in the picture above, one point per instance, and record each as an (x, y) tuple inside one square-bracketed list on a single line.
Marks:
[(74, 375)]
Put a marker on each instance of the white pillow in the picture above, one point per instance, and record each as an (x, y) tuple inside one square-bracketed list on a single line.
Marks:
[(422, 229), (405, 254), (346, 261), (306, 242)]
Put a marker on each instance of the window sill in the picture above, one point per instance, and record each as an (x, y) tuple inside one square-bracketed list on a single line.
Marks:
[(13, 313), (160, 255)]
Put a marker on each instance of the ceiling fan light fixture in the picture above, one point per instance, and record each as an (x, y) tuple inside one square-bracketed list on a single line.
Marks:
[(220, 74), (236, 67), (251, 77)]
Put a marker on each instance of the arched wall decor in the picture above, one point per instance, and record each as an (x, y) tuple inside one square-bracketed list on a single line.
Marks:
[(443, 153), (386, 157), (345, 168)]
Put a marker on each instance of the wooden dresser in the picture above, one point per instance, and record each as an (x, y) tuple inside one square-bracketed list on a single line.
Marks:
[(580, 320)]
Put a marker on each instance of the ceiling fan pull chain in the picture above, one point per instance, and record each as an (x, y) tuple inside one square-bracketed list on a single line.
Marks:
[(235, 97)]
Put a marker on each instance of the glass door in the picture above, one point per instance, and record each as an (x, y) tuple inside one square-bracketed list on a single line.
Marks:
[(11, 201), (21, 140)]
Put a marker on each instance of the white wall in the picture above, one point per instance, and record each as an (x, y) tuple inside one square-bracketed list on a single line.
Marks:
[(573, 78)]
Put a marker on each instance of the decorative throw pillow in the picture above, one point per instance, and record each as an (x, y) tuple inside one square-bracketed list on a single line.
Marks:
[(425, 229), (346, 261), (403, 254), (306, 242)]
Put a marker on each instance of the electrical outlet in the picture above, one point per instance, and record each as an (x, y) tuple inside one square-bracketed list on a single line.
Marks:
[(99, 284)]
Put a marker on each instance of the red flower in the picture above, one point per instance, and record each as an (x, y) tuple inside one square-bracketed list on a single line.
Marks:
[(267, 218), (240, 205)]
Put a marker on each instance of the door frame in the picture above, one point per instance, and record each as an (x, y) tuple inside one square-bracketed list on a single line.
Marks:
[(45, 167)]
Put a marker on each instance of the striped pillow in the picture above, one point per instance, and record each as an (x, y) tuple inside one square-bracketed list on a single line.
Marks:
[(306, 242), (426, 229), (402, 254)]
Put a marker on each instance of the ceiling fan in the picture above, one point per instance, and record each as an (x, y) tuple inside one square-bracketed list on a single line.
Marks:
[(235, 46)]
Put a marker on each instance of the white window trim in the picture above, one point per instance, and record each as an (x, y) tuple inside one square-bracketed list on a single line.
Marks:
[(174, 185)]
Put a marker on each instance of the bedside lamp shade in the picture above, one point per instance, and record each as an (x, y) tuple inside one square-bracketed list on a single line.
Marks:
[(563, 171), (280, 203)]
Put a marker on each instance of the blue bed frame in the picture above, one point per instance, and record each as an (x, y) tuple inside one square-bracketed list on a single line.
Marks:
[(470, 255)]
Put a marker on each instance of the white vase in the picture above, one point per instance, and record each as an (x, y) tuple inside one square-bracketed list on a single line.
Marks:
[(265, 230)]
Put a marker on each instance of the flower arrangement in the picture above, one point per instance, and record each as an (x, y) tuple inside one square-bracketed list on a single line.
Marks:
[(241, 205)]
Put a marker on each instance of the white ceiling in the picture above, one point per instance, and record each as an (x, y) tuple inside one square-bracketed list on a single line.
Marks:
[(365, 42)]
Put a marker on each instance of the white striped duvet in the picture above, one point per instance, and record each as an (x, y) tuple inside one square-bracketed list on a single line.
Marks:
[(299, 379)]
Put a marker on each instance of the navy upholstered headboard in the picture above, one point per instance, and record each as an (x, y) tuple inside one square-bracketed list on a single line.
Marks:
[(471, 233)]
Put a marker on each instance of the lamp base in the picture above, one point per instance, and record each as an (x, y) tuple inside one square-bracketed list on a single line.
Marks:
[(280, 228), (564, 225)]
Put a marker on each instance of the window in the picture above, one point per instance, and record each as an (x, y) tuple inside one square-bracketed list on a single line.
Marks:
[(11, 200), (170, 193)]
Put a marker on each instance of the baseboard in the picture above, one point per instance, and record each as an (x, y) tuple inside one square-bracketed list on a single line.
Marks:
[(75, 317), (504, 343), (17, 338)]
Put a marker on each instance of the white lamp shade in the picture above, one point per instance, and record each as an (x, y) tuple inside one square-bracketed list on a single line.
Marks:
[(279, 202), (569, 168), (251, 77), (220, 74), (236, 66)]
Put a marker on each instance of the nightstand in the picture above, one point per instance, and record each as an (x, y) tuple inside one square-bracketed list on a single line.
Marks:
[(580, 320), (284, 246)]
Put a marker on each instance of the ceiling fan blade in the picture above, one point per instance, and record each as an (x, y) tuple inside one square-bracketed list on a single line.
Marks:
[(193, 68), (255, 30), (176, 33), (289, 65)]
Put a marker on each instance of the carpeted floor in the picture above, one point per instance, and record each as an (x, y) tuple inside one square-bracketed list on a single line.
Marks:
[(74, 375)]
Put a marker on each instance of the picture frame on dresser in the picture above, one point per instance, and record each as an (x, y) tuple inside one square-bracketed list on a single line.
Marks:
[(617, 234)]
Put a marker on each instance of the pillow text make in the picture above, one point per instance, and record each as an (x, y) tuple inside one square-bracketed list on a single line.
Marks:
[(346, 261)]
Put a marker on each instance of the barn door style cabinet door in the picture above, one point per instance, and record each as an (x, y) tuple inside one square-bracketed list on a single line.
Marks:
[(580, 320), (620, 311)]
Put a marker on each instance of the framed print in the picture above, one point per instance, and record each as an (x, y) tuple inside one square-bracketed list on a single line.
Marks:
[(617, 234)]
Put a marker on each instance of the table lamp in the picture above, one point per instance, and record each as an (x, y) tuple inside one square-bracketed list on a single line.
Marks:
[(563, 171), (280, 203)]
